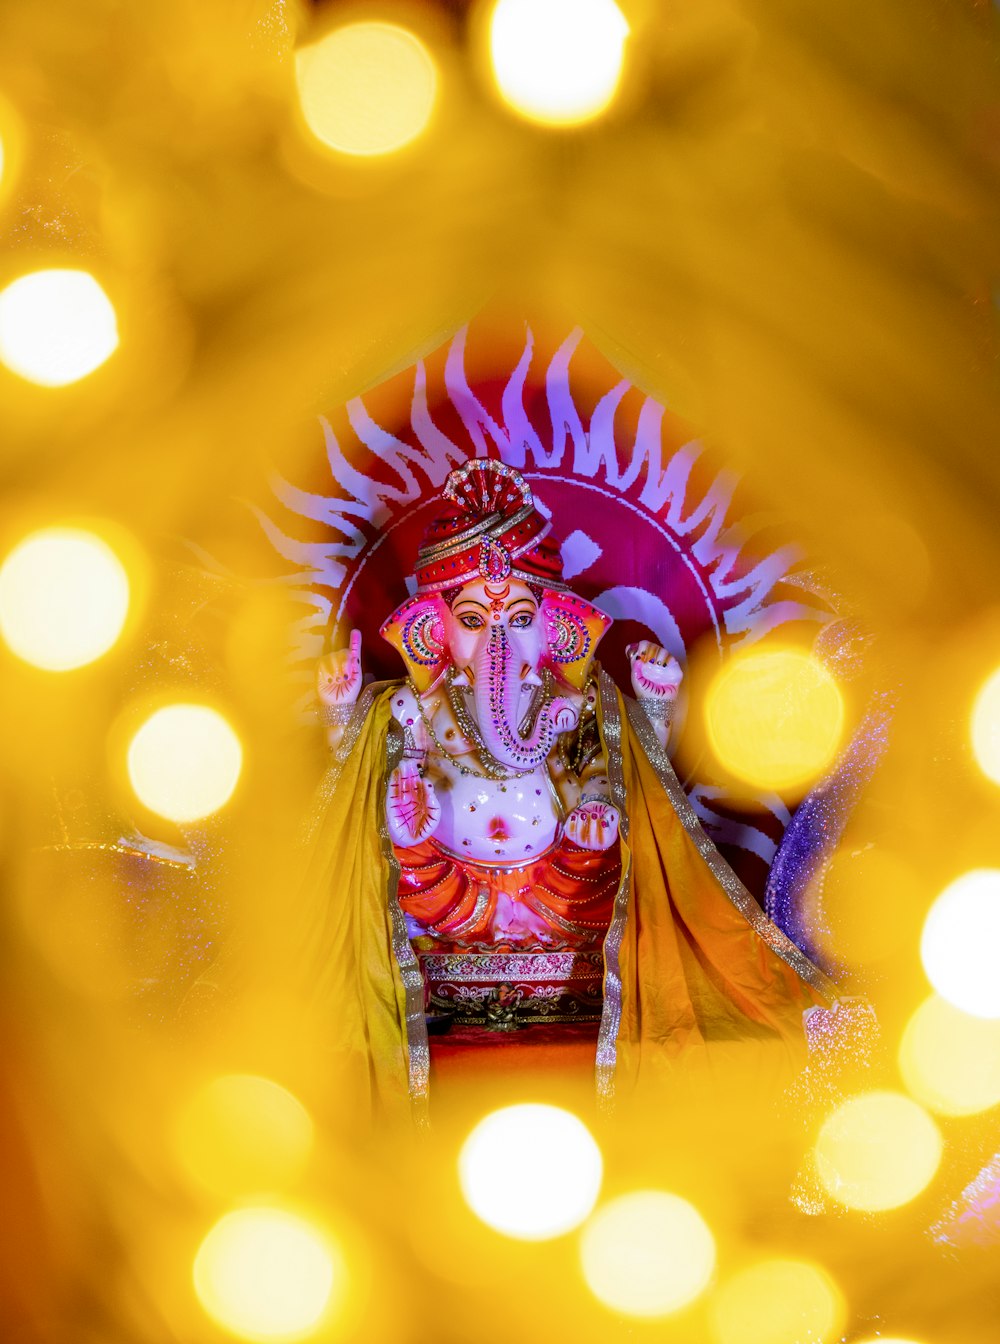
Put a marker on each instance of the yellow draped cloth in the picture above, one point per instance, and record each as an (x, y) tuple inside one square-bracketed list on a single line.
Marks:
[(692, 965), (353, 961)]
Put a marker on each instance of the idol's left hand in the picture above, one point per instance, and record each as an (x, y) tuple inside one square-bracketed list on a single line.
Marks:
[(592, 825)]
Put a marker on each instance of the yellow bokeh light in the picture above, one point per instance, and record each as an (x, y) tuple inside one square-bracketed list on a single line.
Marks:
[(184, 762), (877, 1151), (949, 1060), (558, 62), (267, 1274), (367, 88), (242, 1135), (774, 717), (531, 1171), (647, 1254), (779, 1302), (887, 1339), (960, 944), (56, 326), (985, 727), (64, 597)]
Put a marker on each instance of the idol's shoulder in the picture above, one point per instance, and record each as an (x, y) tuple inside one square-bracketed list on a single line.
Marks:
[(403, 705)]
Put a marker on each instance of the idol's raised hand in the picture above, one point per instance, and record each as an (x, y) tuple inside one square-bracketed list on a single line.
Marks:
[(338, 675), (656, 675), (655, 679)]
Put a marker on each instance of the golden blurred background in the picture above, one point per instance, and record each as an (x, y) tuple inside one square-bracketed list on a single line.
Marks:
[(779, 218)]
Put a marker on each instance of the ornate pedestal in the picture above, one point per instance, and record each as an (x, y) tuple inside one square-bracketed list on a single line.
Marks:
[(506, 990)]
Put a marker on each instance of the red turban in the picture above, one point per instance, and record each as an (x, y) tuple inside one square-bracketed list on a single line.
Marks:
[(489, 528)]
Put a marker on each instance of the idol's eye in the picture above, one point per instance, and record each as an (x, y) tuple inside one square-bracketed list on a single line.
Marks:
[(471, 621), (522, 620)]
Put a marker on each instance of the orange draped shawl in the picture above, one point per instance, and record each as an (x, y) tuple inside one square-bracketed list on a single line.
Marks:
[(691, 961)]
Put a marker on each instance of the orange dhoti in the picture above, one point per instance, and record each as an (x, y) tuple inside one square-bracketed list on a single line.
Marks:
[(563, 899)]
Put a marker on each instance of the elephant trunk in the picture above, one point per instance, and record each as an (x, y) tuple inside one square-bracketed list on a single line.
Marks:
[(497, 695)]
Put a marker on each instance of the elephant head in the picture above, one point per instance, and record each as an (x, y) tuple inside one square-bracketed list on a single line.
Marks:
[(497, 641), (491, 611)]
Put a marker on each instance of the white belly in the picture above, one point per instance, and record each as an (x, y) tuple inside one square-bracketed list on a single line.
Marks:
[(493, 821)]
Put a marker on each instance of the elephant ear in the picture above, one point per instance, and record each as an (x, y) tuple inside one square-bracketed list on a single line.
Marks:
[(417, 631), (573, 630)]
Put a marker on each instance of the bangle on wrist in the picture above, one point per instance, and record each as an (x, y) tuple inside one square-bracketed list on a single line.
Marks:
[(335, 716), (659, 708)]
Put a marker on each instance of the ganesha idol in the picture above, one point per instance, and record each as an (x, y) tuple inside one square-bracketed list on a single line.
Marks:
[(502, 841)]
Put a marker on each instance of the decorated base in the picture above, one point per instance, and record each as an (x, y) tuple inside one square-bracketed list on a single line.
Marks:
[(506, 990)]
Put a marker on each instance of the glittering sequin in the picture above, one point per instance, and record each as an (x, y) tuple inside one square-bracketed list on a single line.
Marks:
[(418, 1050), (611, 1015)]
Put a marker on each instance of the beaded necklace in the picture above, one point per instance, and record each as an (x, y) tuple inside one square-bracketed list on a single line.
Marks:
[(492, 768), (470, 728)]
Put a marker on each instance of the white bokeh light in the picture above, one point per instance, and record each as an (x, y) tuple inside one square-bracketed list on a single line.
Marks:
[(877, 1151), (184, 762), (558, 62), (267, 1274), (647, 1254), (778, 1301), (985, 727), (56, 326), (531, 1171), (367, 89), (950, 1060), (960, 945), (64, 598)]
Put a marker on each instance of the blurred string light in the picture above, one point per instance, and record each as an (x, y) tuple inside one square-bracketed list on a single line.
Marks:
[(877, 1151), (531, 1171), (11, 136), (64, 597), (184, 762), (367, 89), (985, 727), (647, 1254), (240, 1135), (56, 326), (949, 1060), (775, 718), (267, 1274), (778, 1302), (558, 62), (960, 945)]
